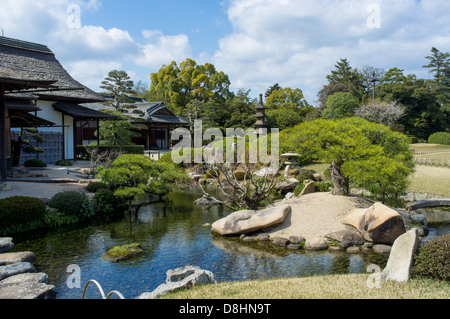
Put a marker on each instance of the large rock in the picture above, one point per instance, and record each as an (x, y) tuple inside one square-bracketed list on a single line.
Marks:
[(6, 244), (181, 278), (309, 187), (379, 224), (248, 221), (400, 261), (316, 243), (346, 238)]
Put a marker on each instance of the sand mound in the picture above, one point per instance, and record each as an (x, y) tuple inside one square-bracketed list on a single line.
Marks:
[(317, 214)]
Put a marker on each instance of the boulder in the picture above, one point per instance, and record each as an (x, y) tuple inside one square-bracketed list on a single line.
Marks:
[(317, 243), (379, 224), (286, 186), (346, 238), (263, 237), (248, 221), (16, 269), (207, 200), (310, 187), (6, 244), (279, 241), (181, 278), (296, 239), (353, 250), (382, 249), (249, 239), (13, 258), (400, 261)]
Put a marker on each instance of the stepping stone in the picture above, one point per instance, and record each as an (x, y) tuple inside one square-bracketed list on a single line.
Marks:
[(16, 269), (14, 258), (6, 244)]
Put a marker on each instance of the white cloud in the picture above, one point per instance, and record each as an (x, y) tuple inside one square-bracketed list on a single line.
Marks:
[(162, 49), (297, 42), (92, 72)]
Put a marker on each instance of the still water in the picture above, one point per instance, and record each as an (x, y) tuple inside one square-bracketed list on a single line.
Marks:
[(172, 235)]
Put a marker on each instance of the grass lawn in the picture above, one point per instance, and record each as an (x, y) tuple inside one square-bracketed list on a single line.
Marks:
[(430, 180), (348, 286)]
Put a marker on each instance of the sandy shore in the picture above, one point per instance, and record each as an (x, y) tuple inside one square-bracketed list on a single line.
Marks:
[(317, 214)]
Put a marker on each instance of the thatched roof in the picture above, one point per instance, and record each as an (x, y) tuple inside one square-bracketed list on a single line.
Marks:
[(38, 62)]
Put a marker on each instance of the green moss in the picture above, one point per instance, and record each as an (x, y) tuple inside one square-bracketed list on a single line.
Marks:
[(119, 253)]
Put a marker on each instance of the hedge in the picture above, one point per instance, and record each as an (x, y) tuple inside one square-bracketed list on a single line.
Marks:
[(19, 214), (439, 138), (82, 150)]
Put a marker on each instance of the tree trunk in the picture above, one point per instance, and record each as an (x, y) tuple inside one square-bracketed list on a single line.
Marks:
[(340, 182)]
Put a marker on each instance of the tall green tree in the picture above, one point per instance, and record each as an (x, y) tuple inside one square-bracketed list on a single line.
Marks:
[(340, 105), (179, 85), (438, 63), (423, 111), (119, 85), (288, 99), (344, 78)]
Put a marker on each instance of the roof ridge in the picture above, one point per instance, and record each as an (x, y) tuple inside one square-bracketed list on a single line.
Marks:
[(31, 46)]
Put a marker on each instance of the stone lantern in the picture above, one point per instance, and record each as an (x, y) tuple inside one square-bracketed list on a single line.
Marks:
[(291, 162)]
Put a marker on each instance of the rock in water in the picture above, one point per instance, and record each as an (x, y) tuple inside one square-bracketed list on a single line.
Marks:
[(207, 201), (181, 278), (400, 261), (124, 252), (247, 221)]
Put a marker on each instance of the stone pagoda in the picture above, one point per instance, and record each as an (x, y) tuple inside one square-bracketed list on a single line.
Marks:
[(260, 117)]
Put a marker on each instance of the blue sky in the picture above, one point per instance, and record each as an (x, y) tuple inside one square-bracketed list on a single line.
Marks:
[(258, 43)]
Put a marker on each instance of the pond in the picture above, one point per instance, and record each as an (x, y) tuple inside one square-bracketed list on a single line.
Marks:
[(172, 235)]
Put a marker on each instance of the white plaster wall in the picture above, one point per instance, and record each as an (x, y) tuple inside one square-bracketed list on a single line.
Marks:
[(49, 113)]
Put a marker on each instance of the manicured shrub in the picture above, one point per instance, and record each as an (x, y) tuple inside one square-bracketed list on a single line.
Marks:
[(93, 187), (433, 259), (324, 186), (34, 163), (19, 213), (439, 138), (64, 163), (412, 139), (107, 203), (305, 175), (72, 203)]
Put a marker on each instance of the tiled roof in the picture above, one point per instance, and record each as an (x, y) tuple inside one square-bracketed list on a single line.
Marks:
[(78, 111), (145, 111)]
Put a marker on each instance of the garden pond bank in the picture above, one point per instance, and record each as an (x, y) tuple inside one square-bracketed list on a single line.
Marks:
[(172, 236)]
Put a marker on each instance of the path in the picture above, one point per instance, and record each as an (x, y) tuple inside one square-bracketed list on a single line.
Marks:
[(46, 187)]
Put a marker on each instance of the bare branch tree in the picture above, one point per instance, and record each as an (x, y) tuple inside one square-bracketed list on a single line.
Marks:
[(248, 192), (381, 112)]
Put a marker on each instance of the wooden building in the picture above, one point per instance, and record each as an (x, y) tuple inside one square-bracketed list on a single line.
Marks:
[(159, 121), (58, 107)]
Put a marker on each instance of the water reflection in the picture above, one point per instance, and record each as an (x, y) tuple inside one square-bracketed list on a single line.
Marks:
[(172, 236)]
